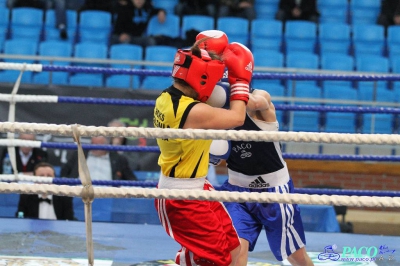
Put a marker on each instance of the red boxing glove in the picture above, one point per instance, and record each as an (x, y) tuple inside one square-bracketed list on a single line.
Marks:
[(240, 63), (217, 41)]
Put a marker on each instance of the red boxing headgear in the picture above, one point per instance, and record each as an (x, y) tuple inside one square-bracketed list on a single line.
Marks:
[(202, 74)]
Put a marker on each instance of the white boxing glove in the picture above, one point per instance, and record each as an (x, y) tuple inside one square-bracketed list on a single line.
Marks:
[(220, 95), (219, 150)]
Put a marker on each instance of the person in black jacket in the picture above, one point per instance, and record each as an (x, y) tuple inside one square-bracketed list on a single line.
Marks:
[(26, 157), (102, 164), (297, 10), (50, 207), (131, 23), (390, 13)]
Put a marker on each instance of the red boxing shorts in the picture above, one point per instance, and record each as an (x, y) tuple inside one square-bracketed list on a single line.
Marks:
[(203, 229)]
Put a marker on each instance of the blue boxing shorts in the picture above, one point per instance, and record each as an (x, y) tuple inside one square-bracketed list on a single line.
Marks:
[(282, 222)]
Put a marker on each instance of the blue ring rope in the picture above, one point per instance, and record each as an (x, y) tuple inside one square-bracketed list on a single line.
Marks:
[(284, 107), (293, 76), (320, 157)]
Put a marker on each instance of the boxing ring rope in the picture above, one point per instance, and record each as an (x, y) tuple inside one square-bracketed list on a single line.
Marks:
[(88, 193)]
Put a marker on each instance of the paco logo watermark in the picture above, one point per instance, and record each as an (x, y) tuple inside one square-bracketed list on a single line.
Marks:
[(357, 254)]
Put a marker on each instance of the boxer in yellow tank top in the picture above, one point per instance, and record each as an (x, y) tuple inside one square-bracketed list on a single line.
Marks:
[(202, 228)]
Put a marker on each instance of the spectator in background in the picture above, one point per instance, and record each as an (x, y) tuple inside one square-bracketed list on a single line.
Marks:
[(59, 6), (196, 7), (102, 164), (297, 10), (101, 5), (131, 23), (117, 140), (26, 157), (390, 13), (41, 206), (237, 8)]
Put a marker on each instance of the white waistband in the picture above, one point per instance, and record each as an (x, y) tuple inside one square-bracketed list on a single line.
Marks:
[(274, 179), (181, 183)]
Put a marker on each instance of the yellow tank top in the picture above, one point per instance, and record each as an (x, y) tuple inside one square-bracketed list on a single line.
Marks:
[(180, 158)]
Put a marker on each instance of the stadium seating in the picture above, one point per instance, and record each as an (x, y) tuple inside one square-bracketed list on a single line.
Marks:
[(333, 11), (125, 52), (266, 9), (364, 11), (368, 39), (334, 37), (337, 62), (27, 23), (270, 59), (87, 80), (158, 53), (266, 35), (90, 50), (371, 63), (170, 28), (50, 30), (236, 28), (94, 26), (53, 48), (302, 60), (300, 36), (196, 22)]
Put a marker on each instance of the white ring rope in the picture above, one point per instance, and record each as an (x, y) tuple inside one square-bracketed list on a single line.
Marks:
[(123, 192), (21, 66), (66, 130), (28, 98)]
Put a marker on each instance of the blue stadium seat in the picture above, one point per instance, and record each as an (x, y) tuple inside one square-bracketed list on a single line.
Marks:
[(382, 124), (236, 28), (4, 17), (266, 9), (364, 11), (275, 90), (339, 93), (305, 121), (27, 23), (50, 30), (270, 59), (266, 35), (334, 37), (94, 26), (333, 11), (171, 26), (300, 36), (18, 47), (89, 80), (371, 63), (196, 22), (393, 41), (92, 51), (125, 52), (302, 60), (122, 82), (368, 39), (4, 25), (340, 122), (156, 83), (337, 62), (158, 53), (54, 49)]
